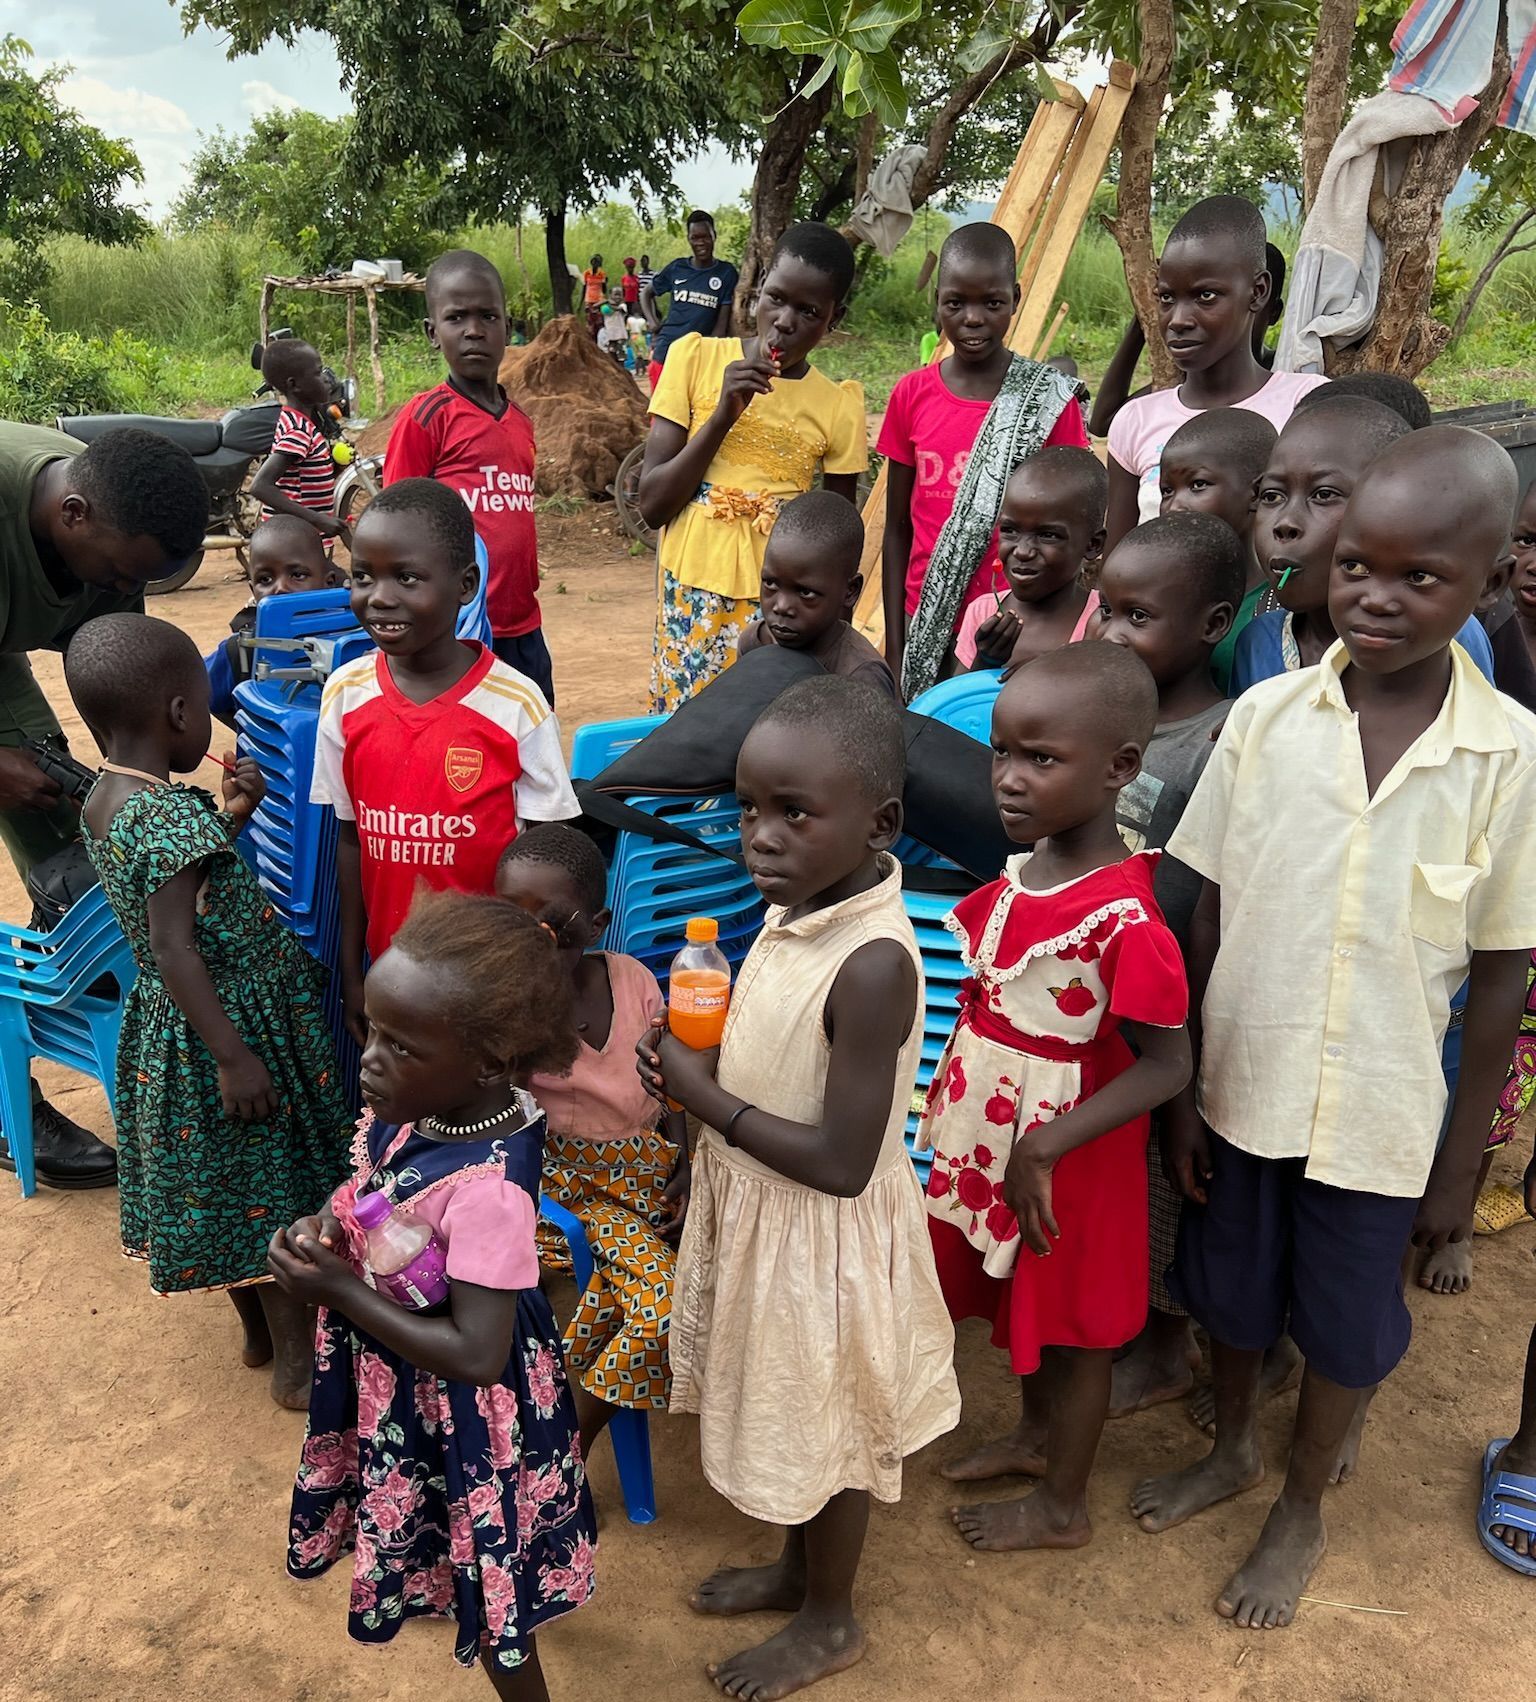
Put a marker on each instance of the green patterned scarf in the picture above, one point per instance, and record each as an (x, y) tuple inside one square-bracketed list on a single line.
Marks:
[(1032, 399)]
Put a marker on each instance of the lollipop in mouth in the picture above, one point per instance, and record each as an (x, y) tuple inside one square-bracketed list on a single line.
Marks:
[(775, 354)]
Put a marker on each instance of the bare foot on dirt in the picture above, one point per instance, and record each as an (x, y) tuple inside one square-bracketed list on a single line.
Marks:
[(1160, 1503), (1021, 1453), (1001, 1526), (1263, 1592), (1283, 1366), (1448, 1271), (804, 1651), (750, 1589), (1152, 1372)]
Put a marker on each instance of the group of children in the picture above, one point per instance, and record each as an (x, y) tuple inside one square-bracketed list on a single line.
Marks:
[(1217, 910)]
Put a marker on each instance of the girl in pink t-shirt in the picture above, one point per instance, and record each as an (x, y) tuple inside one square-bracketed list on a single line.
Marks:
[(936, 415), (1212, 282), (442, 1447), (613, 1157)]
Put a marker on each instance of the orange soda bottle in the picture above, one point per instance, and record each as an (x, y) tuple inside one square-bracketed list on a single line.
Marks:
[(699, 987)]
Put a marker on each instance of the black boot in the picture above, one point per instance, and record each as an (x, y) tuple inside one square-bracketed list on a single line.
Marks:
[(66, 1155)]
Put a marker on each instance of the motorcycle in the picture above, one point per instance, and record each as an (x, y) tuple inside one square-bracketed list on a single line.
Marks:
[(227, 451)]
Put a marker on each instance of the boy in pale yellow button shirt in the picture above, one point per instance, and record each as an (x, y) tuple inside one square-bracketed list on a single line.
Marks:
[(1366, 830)]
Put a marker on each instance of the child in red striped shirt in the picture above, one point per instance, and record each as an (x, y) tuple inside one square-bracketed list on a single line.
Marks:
[(299, 476)]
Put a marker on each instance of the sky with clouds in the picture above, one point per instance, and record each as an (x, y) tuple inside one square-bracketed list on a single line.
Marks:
[(136, 75)]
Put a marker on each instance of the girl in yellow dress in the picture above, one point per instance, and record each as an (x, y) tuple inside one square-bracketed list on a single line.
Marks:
[(738, 427)]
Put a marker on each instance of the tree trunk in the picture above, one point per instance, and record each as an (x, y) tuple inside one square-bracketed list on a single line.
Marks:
[(869, 134), (1406, 337), (776, 182), (554, 250), (1327, 88), (1132, 225), (1506, 246)]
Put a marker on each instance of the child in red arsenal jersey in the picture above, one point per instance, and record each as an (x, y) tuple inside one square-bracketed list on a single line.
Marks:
[(432, 752), (467, 434)]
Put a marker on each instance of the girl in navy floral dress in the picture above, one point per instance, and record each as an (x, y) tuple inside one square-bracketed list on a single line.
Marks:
[(442, 1445)]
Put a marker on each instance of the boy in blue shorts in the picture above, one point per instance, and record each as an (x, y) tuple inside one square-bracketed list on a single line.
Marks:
[(1365, 829)]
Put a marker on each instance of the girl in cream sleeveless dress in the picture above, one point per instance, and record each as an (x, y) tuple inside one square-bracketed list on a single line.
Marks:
[(808, 1331)]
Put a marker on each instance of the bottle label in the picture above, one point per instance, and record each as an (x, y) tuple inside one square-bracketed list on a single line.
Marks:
[(421, 1284), (699, 1001)]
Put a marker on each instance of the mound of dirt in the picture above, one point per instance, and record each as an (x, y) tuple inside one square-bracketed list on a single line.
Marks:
[(587, 412)]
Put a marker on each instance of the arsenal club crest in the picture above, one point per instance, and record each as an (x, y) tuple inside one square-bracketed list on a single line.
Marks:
[(463, 767)]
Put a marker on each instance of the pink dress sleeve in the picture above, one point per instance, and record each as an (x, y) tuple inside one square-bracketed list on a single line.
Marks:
[(1144, 971), (1069, 429), (489, 1225)]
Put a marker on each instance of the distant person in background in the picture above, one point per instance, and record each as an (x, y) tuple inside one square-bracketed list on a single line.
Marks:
[(645, 275), (299, 476), (613, 333), (519, 336), (701, 289), (594, 287), (629, 285)]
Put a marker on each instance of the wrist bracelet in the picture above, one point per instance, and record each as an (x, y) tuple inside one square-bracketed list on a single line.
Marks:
[(735, 1117)]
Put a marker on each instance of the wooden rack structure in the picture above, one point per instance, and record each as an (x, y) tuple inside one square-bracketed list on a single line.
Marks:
[(1042, 207), (343, 284)]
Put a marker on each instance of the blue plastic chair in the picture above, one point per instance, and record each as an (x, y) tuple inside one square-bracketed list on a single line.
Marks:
[(629, 1427), (599, 742), (47, 1010), (964, 703), (943, 971)]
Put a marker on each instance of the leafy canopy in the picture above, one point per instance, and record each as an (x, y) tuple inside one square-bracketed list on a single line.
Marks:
[(457, 86), (58, 174), (286, 177)]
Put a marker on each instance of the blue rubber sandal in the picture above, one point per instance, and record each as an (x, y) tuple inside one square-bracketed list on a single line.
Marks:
[(1509, 1500)]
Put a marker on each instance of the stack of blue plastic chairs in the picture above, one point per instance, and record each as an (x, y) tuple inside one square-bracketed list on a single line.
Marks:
[(964, 703), (654, 886), (50, 1008)]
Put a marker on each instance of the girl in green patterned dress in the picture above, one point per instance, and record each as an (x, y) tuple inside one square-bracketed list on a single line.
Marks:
[(230, 1119)]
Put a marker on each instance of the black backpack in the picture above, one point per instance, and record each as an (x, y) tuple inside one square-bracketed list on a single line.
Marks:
[(947, 801)]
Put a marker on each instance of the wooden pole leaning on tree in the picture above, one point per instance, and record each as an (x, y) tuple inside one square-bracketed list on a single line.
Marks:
[(1042, 207)]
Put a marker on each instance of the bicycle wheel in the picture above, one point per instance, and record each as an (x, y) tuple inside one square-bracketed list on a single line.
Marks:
[(626, 498)]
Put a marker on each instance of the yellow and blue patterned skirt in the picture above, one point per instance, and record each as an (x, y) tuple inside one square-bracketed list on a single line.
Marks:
[(616, 1341), (696, 633)]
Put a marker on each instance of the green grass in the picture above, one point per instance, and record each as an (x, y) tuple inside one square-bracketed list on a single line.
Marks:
[(167, 327)]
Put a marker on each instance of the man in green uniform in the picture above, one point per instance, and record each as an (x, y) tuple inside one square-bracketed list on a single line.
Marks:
[(81, 532)]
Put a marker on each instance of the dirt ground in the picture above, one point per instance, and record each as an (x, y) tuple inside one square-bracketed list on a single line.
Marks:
[(144, 1475)]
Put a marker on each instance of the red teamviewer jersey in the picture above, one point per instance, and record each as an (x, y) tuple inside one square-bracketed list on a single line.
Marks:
[(488, 460), (437, 789)]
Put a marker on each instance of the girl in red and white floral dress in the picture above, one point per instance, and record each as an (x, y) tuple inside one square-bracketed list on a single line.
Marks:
[(1037, 1113)]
